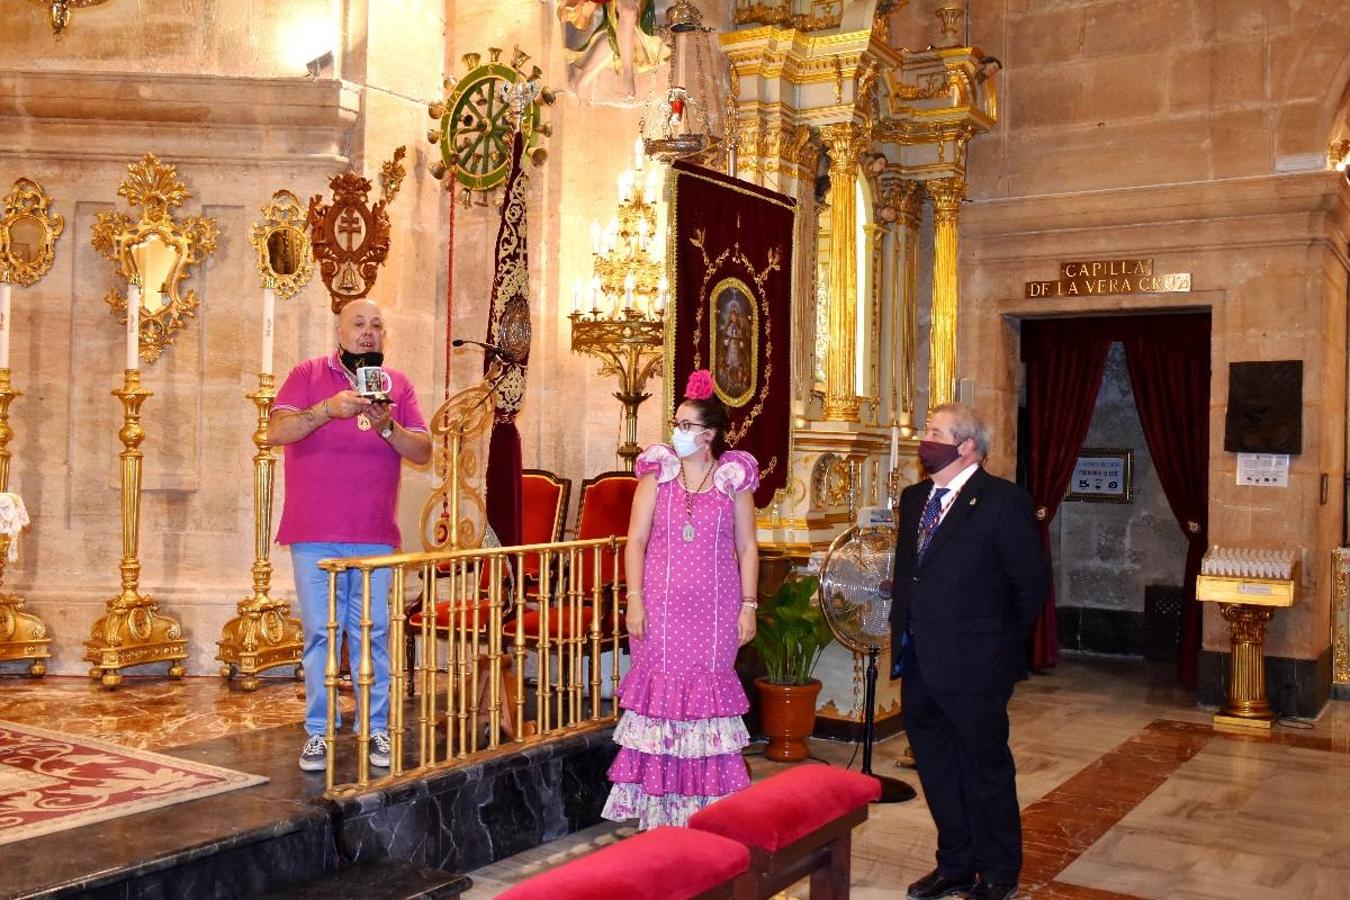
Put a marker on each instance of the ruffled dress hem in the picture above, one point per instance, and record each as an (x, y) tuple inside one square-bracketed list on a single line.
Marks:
[(682, 695)]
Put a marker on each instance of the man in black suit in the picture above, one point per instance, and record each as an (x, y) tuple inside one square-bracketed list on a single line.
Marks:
[(969, 580)]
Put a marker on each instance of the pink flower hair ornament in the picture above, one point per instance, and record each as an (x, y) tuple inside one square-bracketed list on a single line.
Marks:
[(699, 386)]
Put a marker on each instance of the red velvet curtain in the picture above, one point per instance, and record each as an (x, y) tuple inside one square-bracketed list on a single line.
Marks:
[(1064, 363), (1168, 361), (1169, 371)]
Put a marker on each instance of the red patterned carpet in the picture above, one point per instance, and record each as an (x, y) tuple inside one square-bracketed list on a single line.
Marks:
[(51, 782)]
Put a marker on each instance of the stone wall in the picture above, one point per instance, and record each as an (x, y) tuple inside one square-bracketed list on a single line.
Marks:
[(1194, 134), (213, 89)]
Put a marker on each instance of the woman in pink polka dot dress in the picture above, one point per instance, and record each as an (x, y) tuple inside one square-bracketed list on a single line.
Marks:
[(692, 566)]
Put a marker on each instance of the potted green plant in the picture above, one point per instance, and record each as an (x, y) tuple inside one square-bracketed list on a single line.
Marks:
[(791, 632)]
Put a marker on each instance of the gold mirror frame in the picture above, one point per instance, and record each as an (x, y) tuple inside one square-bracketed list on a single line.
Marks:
[(284, 219), (28, 201), (155, 188)]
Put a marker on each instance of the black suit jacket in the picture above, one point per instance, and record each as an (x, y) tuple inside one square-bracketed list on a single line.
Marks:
[(972, 602)]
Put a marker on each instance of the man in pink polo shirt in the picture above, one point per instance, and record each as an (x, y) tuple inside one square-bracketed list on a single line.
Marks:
[(344, 455)]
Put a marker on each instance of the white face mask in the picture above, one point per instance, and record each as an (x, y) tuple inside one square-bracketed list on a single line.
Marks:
[(686, 442)]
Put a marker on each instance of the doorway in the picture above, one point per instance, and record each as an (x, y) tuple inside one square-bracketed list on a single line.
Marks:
[(1115, 437)]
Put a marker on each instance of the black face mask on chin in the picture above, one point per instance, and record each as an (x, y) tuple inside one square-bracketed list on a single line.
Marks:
[(354, 361)]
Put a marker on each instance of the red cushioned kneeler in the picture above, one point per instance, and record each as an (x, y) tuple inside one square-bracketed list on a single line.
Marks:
[(795, 823), (661, 864)]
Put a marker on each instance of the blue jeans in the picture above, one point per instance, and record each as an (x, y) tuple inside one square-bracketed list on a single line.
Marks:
[(311, 590)]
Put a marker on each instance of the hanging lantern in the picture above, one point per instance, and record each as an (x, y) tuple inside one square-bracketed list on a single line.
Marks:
[(684, 117)]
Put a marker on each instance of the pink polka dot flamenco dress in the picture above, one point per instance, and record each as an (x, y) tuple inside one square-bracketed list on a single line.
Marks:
[(681, 733)]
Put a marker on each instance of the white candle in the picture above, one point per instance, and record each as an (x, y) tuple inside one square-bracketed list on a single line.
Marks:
[(269, 325), (895, 445), (134, 326), (4, 324), (595, 293), (639, 157), (576, 295)]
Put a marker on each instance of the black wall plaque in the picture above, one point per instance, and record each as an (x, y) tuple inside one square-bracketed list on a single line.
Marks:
[(1265, 407)]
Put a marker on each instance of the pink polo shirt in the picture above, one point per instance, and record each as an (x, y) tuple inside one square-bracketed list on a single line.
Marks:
[(342, 482)]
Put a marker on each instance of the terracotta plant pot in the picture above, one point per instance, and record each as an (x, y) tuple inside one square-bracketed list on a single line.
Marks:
[(787, 713)]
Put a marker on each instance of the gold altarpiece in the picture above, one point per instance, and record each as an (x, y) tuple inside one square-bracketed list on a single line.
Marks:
[(842, 98), (839, 97)]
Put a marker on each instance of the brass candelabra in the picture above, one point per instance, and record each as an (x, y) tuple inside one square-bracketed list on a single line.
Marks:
[(629, 344), (624, 326), (22, 634), (263, 635), (134, 631)]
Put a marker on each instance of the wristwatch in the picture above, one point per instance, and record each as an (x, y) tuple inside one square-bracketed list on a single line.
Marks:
[(387, 431)]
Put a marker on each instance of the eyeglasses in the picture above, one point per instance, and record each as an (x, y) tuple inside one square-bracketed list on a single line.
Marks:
[(685, 425)]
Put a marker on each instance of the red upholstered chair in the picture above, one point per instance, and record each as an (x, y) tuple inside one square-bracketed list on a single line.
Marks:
[(603, 511), (795, 823), (661, 864), (544, 498)]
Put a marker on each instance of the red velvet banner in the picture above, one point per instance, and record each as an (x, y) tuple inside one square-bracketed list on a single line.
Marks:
[(731, 311), (510, 330)]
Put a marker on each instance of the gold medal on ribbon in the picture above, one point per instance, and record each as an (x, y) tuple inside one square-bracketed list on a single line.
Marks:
[(362, 422)]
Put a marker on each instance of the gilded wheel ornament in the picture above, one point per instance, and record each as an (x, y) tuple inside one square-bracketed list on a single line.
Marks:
[(474, 127)]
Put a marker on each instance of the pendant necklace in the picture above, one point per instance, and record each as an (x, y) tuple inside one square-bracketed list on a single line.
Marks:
[(688, 531)]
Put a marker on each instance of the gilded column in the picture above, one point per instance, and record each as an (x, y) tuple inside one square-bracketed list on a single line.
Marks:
[(947, 194), (876, 241), (909, 205), (845, 142), (802, 151)]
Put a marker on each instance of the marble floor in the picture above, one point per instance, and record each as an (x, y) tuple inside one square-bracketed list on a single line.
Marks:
[(1126, 791)]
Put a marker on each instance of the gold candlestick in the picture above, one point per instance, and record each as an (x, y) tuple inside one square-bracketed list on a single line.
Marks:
[(263, 635), (134, 631), (22, 634)]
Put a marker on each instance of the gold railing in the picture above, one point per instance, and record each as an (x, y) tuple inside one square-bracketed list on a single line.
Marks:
[(478, 679)]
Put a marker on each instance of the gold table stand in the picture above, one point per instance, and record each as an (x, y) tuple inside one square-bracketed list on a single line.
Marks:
[(1246, 604), (22, 634), (134, 631), (263, 635)]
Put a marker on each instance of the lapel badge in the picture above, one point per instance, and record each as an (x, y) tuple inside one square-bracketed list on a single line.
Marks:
[(974, 500)]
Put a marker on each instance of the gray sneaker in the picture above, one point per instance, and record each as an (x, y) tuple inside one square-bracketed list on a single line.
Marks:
[(379, 749), (314, 755)]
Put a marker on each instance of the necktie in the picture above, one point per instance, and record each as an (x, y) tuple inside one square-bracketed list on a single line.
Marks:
[(928, 522)]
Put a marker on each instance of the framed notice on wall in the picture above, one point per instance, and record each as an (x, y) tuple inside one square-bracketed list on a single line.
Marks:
[(1102, 476)]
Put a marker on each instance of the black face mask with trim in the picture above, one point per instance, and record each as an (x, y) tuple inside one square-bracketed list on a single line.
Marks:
[(354, 361)]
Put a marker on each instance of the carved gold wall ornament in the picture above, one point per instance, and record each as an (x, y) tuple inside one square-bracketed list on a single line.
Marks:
[(350, 238), (392, 172), (28, 233), (285, 255), (1340, 617), (158, 249), (58, 12), (823, 14)]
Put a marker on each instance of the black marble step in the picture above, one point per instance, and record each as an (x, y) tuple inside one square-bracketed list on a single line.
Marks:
[(381, 879)]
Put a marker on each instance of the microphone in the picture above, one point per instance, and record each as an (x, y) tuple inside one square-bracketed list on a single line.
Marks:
[(487, 348)]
